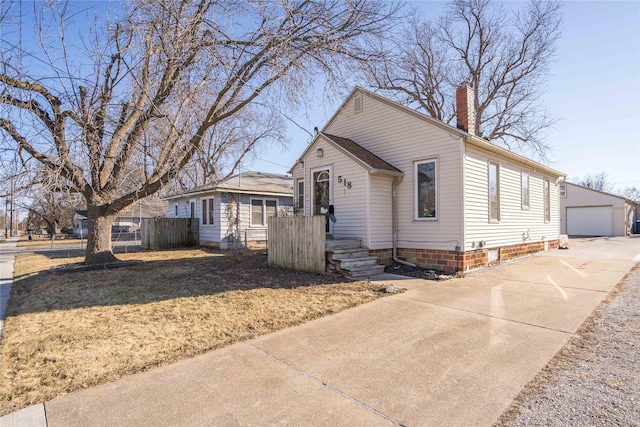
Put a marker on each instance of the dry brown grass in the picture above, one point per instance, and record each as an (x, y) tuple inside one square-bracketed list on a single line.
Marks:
[(68, 331)]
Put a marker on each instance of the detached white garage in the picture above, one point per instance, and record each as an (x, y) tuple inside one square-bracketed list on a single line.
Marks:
[(587, 212)]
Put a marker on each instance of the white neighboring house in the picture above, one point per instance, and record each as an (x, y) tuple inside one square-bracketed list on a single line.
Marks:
[(413, 188), (233, 212), (588, 212), (128, 220)]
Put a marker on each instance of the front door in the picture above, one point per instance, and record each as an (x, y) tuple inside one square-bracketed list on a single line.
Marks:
[(321, 190)]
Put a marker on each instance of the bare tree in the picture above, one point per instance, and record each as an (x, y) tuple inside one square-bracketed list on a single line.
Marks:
[(596, 181), (52, 210), (504, 55), (227, 145), (631, 193), (119, 115)]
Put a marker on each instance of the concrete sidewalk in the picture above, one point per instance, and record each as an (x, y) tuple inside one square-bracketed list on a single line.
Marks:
[(441, 353), (8, 251)]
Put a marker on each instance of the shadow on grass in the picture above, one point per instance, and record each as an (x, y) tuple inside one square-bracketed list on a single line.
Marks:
[(155, 280)]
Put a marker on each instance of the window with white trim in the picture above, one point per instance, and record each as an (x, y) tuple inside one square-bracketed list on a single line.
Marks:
[(525, 190), (426, 190), (261, 209), (300, 195), (207, 211), (494, 191), (563, 191), (547, 200)]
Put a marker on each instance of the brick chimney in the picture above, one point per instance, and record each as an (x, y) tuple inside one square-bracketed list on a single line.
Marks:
[(465, 108)]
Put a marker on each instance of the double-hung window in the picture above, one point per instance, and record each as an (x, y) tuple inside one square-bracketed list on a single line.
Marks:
[(207, 211), (261, 209), (494, 192), (426, 190)]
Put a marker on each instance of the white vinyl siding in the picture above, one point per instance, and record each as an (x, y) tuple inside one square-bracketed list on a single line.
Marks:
[(401, 139), (179, 208), (350, 207), (380, 214), (516, 226), (226, 208)]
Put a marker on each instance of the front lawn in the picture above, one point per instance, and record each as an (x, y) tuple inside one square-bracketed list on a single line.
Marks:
[(66, 331)]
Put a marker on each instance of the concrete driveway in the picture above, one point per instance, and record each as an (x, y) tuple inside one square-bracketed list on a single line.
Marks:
[(452, 353)]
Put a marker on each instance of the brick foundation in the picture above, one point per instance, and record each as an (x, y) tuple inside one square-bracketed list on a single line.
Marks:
[(448, 261), (385, 256), (451, 261)]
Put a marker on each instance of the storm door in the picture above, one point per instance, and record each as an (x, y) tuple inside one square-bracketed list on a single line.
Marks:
[(321, 190)]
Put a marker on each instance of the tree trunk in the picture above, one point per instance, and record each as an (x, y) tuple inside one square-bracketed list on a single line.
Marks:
[(99, 249)]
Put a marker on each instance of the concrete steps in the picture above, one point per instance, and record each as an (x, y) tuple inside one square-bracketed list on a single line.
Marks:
[(351, 259)]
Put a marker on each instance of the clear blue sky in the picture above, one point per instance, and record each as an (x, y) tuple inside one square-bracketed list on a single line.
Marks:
[(594, 88)]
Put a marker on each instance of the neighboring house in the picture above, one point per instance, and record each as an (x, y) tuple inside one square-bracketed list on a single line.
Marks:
[(233, 212), (588, 212), (128, 220), (80, 223), (414, 188)]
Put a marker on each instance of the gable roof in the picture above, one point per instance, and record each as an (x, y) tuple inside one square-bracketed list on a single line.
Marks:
[(601, 192), (465, 136), (366, 158), (250, 182)]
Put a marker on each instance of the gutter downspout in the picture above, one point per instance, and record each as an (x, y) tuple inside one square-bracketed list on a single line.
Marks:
[(394, 221)]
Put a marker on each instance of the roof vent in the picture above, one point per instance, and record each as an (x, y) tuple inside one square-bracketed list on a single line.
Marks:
[(357, 104)]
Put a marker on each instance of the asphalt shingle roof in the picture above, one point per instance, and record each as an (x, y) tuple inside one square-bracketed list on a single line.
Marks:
[(364, 155)]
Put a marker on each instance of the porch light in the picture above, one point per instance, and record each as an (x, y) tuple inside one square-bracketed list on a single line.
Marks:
[(320, 152)]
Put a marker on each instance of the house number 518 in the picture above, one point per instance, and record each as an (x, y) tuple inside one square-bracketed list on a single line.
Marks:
[(344, 182)]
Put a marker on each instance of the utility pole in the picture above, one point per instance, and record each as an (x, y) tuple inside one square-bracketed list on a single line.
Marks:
[(11, 212)]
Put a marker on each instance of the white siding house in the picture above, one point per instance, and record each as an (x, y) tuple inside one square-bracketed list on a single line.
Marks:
[(233, 212), (128, 220), (413, 188), (588, 212)]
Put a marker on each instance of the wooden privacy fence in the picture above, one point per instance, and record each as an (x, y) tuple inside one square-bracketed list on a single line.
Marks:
[(169, 233), (297, 243)]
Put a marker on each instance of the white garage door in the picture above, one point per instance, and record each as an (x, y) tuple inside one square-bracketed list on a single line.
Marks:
[(594, 221)]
